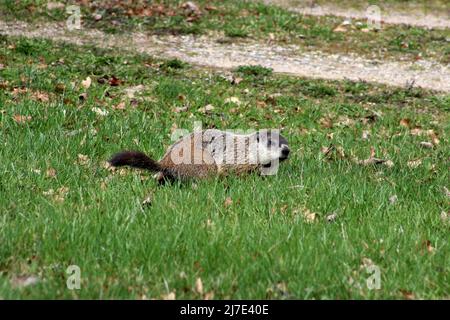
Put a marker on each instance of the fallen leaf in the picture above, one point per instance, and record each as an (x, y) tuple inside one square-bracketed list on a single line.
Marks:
[(434, 138), (371, 160), (228, 202), (50, 173), (86, 83), (199, 286), (310, 217), (206, 109), (236, 80), (83, 159), (210, 8), (41, 96), (82, 96), (180, 109), (426, 144), (234, 100), (429, 247), (331, 217), (393, 199), (148, 200), (132, 91), (21, 119), (209, 295), (119, 106), (365, 135), (340, 28), (417, 131), (169, 296), (445, 217), (100, 112), (114, 82), (446, 192), (55, 5), (405, 123), (408, 295), (414, 163), (326, 123), (366, 262)]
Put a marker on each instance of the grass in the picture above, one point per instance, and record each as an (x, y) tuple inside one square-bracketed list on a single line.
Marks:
[(239, 19), (264, 242)]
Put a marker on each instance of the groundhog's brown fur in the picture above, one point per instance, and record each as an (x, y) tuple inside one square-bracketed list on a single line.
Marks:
[(203, 154)]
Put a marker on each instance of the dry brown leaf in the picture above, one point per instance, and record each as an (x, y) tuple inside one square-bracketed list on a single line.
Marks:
[(446, 192), (429, 247), (414, 163), (236, 80), (50, 173), (340, 28), (41, 96), (393, 199), (119, 106), (148, 200), (132, 91), (417, 131), (169, 296), (180, 109), (434, 138), (114, 82), (426, 144), (326, 123), (408, 295), (331, 217), (99, 111), (21, 119), (86, 83), (206, 109), (199, 286), (83, 159), (234, 100), (228, 202), (209, 295), (366, 262), (445, 217), (405, 123), (371, 160), (173, 128), (310, 217), (365, 135)]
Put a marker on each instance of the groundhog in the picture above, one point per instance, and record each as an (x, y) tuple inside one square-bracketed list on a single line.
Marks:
[(212, 152)]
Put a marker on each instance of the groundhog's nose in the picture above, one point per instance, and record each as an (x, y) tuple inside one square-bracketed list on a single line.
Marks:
[(284, 153)]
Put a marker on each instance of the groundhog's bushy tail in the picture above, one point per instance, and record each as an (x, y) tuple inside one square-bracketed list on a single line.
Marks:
[(135, 159)]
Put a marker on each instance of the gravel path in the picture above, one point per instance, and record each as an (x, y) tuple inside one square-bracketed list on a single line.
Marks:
[(206, 51), (412, 17)]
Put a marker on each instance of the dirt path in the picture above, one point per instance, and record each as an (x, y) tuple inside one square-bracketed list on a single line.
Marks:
[(408, 16), (205, 51)]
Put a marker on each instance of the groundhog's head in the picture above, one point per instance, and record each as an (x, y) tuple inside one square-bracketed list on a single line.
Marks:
[(271, 146)]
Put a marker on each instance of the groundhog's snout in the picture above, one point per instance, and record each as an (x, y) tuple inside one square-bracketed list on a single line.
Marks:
[(284, 153)]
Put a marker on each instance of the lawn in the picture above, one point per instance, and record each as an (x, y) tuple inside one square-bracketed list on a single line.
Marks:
[(314, 230)]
